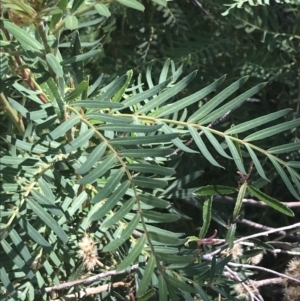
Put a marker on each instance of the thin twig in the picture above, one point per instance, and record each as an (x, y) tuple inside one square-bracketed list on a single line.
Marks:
[(252, 202), (269, 281), (259, 226), (88, 280), (266, 233), (255, 267), (256, 296), (90, 291)]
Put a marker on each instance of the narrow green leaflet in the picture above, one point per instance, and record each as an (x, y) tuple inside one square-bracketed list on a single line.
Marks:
[(6, 282), (92, 159), (46, 189), (109, 187), (126, 233), (24, 161), (285, 148), (54, 64), (96, 118), (294, 164), (206, 216), (18, 107), (295, 177), (283, 176), (202, 293), (139, 153), (230, 236), (217, 100), (249, 125), (23, 37), (132, 4), (117, 216), (102, 10), (34, 148), (273, 130), (277, 205), (164, 72), (34, 234), (46, 202), (157, 139), (177, 184), (215, 190), (118, 96), (129, 128), (136, 99), (133, 253), (114, 88), (162, 289), (235, 155), (95, 104), (175, 282), (147, 276), (177, 142), (153, 201), (150, 215), (162, 237), (151, 168), (147, 295), (168, 94), (174, 258), (256, 162), (202, 147), (239, 201), (110, 202), (212, 139), (100, 170), (215, 114), (77, 92), (147, 182), (20, 245), (63, 128), (47, 219), (95, 86), (54, 96), (187, 101), (78, 142), (160, 2), (18, 261), (81, 57)]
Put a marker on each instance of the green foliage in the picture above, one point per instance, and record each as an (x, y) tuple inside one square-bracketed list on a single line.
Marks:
[(90, 169)]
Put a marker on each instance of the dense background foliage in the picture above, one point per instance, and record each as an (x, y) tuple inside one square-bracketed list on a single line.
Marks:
[(131, 165)]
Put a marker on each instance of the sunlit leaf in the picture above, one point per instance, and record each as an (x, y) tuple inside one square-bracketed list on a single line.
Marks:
[(100, 170), (117, 216), (217, 100), (102, 10), (132, 4), (126, 233), (187, 101), (71, 22), (273, 130), (133, 254), (54, 64), (95, 155), (47, 219), (248, 125)]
